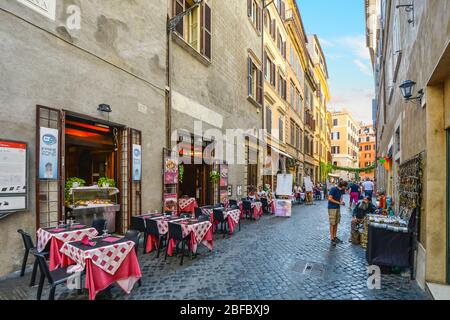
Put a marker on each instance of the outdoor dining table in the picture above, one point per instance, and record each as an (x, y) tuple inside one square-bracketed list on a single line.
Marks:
[(57, 237), (187, 205), (256, 207), (200, 232), (106, 260)]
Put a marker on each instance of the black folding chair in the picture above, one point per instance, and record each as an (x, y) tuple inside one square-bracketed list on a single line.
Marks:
[(54, 278), (198, 212), (152, 229), (265, 205), (29, 245), (176, 233), (138, 223), (232, 203), (247, 209), (99, 225), (133, 235), (203, 218), (219, 217)]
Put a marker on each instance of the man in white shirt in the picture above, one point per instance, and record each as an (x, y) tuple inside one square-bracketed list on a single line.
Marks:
[(368, 188)]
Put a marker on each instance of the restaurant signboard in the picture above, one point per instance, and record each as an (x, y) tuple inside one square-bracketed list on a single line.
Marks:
[(170, 170), (137, 162), (48, 154)]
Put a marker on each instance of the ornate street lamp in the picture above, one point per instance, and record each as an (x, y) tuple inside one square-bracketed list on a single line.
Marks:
[(407, 89)]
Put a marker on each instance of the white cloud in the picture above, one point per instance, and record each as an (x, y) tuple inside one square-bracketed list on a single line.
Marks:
[(363, 67), (357, 101), (326, 43), (357, 45)]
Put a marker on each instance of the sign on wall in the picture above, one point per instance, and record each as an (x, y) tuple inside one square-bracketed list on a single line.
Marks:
[(170, 170), (45, 7), (48, 154), (13, 176), (137, 162)]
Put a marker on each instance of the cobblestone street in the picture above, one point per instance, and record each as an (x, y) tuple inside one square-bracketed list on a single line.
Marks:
[(266, 260)]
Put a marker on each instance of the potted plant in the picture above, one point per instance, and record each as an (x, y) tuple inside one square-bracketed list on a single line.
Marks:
[(214, 176), (180, 173), (105, 182), (72, 182)]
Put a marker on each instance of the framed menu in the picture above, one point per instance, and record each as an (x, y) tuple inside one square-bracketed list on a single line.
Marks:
[(13, 176)]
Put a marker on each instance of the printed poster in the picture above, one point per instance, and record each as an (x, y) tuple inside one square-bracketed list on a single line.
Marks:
[(224, 175), (48, 154), (170, 202), (170, 170), (137, 162)]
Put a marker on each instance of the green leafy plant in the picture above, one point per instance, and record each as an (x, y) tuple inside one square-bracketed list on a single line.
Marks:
[(214, 176), (70, 184), (105, 180), (180, 173)]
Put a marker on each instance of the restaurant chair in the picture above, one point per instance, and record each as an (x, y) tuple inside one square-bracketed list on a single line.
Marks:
[(247, 209), (198, 212), (265, 205), (185, 215), (28, 243), (133, 235), (168, 213), (152, 229), (138, 223), (99, 225), (176, 233), (219, 217), (232, 203), (54, 278)]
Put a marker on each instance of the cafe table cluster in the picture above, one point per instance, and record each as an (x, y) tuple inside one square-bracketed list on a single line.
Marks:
[(101, 260)]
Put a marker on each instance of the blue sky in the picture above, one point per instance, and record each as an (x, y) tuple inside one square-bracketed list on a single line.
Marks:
[(340, 26)]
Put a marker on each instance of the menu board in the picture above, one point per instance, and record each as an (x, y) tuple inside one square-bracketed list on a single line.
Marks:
[(13, 175), (284, 184), (170, 202), (170, 170), (137, 162), (224, 175), (283, 208)]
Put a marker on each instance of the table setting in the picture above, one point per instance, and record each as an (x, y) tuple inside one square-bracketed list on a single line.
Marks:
[(201, 232)]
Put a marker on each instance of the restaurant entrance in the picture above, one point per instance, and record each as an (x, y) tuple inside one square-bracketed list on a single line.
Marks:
[(195, 168), (94, 157)]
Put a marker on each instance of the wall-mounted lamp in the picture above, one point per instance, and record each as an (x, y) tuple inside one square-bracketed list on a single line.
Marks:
[(410, 9), (104, 108), (407, 88)]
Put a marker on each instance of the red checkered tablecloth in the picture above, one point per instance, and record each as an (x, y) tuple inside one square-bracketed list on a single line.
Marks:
[(233, 214), (200, 232), (256, 207), (187, 205), (45, 235)]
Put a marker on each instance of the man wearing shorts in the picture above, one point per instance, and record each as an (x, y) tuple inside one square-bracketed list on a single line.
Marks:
[(334, 210)]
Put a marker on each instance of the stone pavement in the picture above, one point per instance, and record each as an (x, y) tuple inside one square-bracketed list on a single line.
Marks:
[(274, 258)]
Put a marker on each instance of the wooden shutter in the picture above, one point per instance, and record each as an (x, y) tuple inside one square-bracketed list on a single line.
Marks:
[(249, 7), (206, 30), (259, 19), (179, 7), (250, 76), (283, 11), (272, 29), (265, 64), (273, 76), (259, 84)]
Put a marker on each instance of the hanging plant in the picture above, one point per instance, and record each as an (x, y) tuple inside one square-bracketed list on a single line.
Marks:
[(180, 172), (214, 176)]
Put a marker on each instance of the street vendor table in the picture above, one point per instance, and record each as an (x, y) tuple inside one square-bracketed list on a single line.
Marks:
[(57, 237), (110, 260), (389, 248), (201, 232), (187, 205), (256, 207)]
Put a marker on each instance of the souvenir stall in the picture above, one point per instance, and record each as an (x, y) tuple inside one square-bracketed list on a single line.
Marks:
[(392, 238)]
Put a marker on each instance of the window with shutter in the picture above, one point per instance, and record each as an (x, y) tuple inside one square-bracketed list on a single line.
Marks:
[(292, 133), (206, 31), (250, 76), (259, 84), (179, 7), (281, 128), (268, 120), (249, 7)]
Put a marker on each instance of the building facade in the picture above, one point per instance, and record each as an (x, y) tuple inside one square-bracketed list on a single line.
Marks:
[(414, 45), (344, 143), (367, 150), (107, 87)]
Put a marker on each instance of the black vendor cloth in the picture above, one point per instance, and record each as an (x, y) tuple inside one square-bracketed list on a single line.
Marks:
[(389, 248)]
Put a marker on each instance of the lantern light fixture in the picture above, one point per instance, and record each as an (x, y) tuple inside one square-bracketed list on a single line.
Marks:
[(407, 89)]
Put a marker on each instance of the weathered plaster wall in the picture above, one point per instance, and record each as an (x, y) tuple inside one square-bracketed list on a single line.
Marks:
[(118, 57)]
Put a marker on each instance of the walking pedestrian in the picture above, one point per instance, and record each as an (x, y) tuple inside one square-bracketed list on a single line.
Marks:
[(354, 191), (368, 187), (335, 202)]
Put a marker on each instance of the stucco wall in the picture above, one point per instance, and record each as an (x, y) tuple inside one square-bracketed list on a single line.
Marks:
[(115, 58)]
